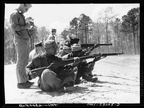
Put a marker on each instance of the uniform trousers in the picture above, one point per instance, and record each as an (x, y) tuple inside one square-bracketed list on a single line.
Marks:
[(22, 49)]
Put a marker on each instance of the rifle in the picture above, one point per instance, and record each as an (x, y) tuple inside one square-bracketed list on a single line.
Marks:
[(68, 61), (93, 46)]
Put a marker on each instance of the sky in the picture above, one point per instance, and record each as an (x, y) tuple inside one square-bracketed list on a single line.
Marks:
[(59, 15)]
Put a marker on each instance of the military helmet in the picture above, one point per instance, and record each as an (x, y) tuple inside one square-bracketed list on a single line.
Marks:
[(74, 41), (39, 44)]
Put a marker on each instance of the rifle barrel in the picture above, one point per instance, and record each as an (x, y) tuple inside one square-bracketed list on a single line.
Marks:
[(58, 64), (105, 44), (92, 45), (87, 45), (109, 54)]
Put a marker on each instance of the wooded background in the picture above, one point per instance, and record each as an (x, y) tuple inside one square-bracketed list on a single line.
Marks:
[(123, 33)]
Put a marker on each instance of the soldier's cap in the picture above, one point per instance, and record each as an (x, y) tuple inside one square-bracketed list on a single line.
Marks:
[(53, 30), (27, 5), (76, 47), (74, 40), (39, 44), (49, 43)]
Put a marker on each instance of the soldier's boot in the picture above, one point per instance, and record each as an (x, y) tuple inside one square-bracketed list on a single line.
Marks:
[(90, 78), (77, 81)]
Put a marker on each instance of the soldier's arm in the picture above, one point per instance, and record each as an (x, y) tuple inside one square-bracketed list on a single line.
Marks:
[(29, 67), (15, 24), (67, 56), (32, 65)]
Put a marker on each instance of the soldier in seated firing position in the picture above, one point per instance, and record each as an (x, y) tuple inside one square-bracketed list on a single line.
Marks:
[(51, 79), (84, 68)]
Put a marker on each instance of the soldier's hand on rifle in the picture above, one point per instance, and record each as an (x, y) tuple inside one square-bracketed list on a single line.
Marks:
[(91, 66), (32, 75), (77, 60)]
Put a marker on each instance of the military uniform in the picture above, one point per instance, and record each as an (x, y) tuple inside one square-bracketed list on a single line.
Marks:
[(52, 80), (64, 50), (21, 40), (84, 68), (52, 36), (35, 52)]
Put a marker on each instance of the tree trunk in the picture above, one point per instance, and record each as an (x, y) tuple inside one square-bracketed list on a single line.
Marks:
[(127, 43), (134, 43), (76, 31), (14, 54), (85, 34), (107, 41), (98, 39), (115, 46), (116, 42), (138, 42)]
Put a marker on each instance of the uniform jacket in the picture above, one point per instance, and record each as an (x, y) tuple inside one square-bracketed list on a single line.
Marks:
[(42, 61), (52, 37), (34, 53), (18, 23)]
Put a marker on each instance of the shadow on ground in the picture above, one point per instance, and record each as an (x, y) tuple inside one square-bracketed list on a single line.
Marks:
[(77, 90)]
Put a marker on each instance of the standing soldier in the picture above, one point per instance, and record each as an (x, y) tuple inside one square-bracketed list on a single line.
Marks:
[(21, 40), (52, 35)]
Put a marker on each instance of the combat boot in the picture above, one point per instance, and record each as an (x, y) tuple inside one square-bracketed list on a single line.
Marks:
[(78, 81), (90, 78)]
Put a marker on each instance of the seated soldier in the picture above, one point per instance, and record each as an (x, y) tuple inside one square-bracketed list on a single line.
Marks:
[(52, 79), (37, 50), (84, 68)]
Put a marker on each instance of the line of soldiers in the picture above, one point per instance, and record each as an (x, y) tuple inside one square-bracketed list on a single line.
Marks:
[(73, 49), (63, 78)]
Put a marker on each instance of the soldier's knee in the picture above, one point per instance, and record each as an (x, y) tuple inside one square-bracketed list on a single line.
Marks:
[(46, 76), (47, 73)]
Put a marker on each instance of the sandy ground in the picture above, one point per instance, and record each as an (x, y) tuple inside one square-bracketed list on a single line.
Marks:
[(119, 82)]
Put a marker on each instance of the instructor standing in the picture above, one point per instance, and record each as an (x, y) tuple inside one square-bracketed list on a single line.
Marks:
[(21, 40)]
